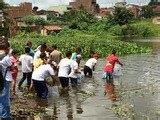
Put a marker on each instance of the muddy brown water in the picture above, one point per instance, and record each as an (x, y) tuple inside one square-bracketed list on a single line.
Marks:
[(134, 96)]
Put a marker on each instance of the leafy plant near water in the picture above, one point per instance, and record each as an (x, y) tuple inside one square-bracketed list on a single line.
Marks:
[(70, 39)]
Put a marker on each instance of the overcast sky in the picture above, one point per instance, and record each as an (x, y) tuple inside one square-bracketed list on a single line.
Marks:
[(44, 4)]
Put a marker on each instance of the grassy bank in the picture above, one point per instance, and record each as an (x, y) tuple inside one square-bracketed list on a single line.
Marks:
[(68, 39)]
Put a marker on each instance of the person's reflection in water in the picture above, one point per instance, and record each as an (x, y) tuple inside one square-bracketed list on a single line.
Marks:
[(69, 108), (110, 90), (78, 102), (41, 102), (55, 111)]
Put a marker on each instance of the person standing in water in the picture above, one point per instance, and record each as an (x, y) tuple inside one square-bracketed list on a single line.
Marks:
[(111, 60), (27, 65), (76, 56), (90, 66), (5, 79)]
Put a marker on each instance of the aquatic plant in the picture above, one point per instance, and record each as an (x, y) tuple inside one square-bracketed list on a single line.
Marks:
[(70, 39), (124, 111)]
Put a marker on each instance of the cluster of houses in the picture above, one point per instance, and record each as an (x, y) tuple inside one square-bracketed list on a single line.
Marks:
[(16, 13)]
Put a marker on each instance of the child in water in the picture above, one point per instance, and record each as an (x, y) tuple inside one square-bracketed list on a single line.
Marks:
[(14, 69)]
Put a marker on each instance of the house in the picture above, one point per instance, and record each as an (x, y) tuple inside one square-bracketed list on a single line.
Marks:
[(59, 9), (156, 6), (89, 5), (103, 12), (46, 30), (24, 9), (156, 20), (44, 13), (15, 13), (156, 9)]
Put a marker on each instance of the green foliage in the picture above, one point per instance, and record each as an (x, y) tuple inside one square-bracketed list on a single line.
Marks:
[(70, 39), (39, 21), (51, 17), (139, 28), (2, 4), (100, 25), (30, 20), (3, 31), (142, 30), (152, 2), (121, 16), (147, 11), (116, 30), (78, 19)]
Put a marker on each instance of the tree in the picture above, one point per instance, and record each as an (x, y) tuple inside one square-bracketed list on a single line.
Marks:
[(120, 16), (39, 21), (29, 20), (147, 11), (52, 17), (5, 20), (78, 19), (154, 2), (2, 5)]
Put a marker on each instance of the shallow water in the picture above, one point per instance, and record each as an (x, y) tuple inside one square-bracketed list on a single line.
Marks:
[(134, 96)]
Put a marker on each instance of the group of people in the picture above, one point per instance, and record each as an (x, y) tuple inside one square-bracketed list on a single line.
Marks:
[(37, 65)]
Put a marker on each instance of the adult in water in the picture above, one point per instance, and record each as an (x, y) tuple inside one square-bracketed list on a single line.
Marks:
[(6, 77), (111, 60)]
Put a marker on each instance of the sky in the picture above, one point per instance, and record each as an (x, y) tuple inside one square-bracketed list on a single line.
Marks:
[(44, 4)]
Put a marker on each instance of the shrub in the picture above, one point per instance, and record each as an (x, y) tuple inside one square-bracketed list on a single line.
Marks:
[(116, 30)]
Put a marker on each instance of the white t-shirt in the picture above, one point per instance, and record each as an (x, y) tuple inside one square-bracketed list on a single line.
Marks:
[(74, 66), (64, 67), (37, 54), (42, 72), (26, 61), (91, 62), (6, 62)]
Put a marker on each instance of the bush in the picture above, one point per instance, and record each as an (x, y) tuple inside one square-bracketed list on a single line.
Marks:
[(143, 29), (137, 29), (116, 30)]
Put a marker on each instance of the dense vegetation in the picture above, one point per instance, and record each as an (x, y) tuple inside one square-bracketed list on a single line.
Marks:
[(88, 41), (120, 23), (84, 30)]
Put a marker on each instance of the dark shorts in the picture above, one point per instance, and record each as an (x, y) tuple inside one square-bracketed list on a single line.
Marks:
[(64, 81), (87, 71), (41, 88)]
